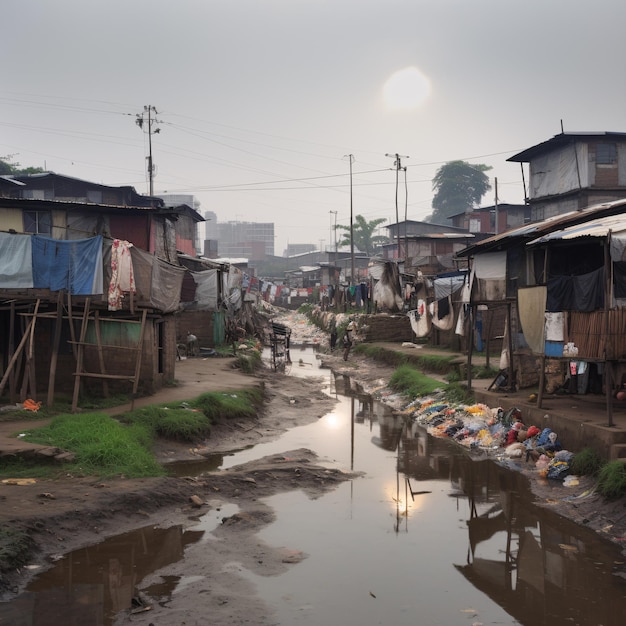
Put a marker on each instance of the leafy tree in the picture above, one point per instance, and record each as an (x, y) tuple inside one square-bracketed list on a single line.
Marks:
[(363, 234), (459, 186), (7, 168)]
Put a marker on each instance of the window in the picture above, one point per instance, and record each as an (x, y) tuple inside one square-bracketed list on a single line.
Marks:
[(38, 222), (606, 154)]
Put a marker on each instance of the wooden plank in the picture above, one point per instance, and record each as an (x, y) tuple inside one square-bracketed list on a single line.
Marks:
[(85, 374), (29, 379), (139, 355), (15, 356), (105, 386), (70, 317), (79, 359), (12, 376), (55, 349), (104, 345)]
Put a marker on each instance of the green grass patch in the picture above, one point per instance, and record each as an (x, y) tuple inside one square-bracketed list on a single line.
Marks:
[(171, 421), (228, 405), (612, 480), (587, 462), (102, 445), (382, 355), (412, 382), (190, 421), (433, 363)]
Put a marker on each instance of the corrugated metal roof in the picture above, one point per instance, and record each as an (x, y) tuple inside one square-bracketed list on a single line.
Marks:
[(563, 139), (595, 228), (535, 230)]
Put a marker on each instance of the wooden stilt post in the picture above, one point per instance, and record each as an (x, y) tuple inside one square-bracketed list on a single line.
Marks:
[(29, 380), (15, 356), (542, 380), (139, 356), (105, 384), (12, 377), (79, 359), (55, 349)]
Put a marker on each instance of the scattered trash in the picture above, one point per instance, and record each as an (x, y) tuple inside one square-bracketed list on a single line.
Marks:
[(31, 405), (196, 501), (19, 481)]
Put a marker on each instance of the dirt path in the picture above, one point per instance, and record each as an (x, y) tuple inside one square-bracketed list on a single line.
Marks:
[(64, 515)]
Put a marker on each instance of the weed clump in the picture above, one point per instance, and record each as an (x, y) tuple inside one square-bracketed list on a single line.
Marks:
[(612, 480), (587, 462), (412, 382), (101, 445)]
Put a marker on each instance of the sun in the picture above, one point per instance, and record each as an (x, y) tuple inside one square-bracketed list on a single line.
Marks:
[(406, 89)]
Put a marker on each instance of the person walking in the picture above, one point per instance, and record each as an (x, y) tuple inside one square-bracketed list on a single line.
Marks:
[(333, 333), (347, 340)]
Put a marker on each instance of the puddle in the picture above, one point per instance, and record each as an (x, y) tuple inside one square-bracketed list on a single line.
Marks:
[(427, 536)]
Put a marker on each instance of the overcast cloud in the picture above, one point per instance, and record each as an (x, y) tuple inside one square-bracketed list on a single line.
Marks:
[(259, 100)]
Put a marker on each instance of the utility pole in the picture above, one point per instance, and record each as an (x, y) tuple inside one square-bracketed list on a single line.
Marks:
[(351, 157), (146, 119), (497, 216), (335, 281), (398, 165), (406, 209)]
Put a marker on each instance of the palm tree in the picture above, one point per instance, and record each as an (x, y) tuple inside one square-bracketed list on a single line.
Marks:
[(363, 234)]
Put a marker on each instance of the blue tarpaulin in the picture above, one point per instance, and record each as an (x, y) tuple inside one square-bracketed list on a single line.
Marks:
[(73, 266)]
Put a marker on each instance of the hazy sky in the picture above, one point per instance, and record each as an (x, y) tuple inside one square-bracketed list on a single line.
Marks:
[(259, 101)]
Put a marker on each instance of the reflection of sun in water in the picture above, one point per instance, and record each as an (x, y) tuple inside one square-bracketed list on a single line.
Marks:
[(331, 421), (406, 89)]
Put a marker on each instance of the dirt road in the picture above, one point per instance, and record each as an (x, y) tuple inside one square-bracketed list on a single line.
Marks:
[(60, 516)]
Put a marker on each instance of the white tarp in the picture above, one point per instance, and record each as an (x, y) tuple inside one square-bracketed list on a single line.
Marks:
[(206, 289), (559, 171), (16, 261), (490, 266)]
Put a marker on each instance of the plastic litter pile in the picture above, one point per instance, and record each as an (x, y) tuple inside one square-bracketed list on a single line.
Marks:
[(493, 431)]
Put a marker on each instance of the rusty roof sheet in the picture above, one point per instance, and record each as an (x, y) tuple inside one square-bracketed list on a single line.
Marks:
[(535, 230), (595, 228)]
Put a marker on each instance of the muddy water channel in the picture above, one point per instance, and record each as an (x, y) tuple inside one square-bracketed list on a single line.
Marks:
[(426, 536)]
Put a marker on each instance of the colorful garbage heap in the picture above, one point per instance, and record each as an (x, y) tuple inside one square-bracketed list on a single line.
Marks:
[(481, 428)]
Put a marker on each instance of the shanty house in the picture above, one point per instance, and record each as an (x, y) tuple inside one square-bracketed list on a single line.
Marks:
[(558, 285), (572, 171), (89, 284), (491, 220)]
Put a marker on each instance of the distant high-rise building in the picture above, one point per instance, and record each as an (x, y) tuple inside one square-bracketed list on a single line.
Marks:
[(210, 226), (251, 240)]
